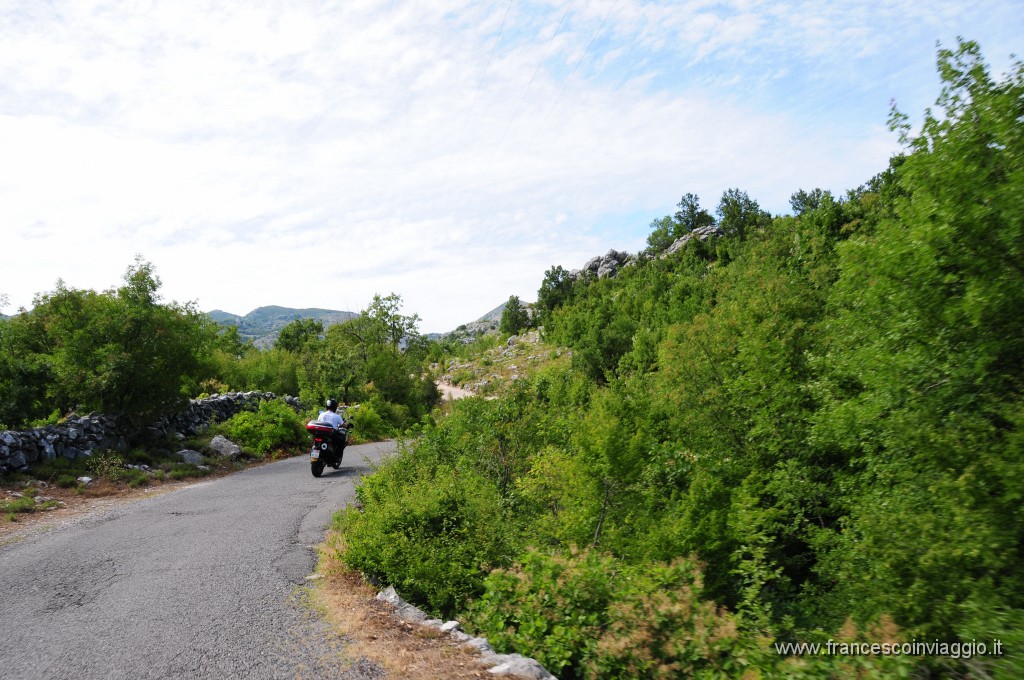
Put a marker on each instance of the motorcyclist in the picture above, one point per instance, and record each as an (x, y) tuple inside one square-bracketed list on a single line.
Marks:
[(330, 415)]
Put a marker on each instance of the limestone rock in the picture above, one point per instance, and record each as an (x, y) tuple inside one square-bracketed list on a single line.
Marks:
[(189, 456), (522, 666), (225, 447)]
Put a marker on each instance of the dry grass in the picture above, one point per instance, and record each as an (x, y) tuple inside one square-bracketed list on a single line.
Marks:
[(405, 650)]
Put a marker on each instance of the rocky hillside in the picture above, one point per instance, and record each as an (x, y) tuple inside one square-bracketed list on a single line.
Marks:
[(262, 324)]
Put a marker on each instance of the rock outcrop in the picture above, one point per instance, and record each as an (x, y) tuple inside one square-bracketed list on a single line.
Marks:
[(603, 266), (608, 265)]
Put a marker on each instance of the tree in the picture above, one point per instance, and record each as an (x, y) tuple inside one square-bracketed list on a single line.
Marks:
[(924, 370), (375, 356), (803, 201), (122, 352), (661, 236), (295, 336), (232, 343), (555, 290), (690, 216), (24, 371), (387, 325), (514, 317), (739, 215)]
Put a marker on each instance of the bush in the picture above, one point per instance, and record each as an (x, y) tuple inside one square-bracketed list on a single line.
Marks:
[(433, 539), (135, 478), (107, 464), (273, 425), (369, 425), (592, 616), (66, 481)]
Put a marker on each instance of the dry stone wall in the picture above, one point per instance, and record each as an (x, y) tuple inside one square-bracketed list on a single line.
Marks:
[(80, 436)]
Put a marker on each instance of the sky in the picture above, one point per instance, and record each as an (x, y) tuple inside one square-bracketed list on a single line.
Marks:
[(313, 153)]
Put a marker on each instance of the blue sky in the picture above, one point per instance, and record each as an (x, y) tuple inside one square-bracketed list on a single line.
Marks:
[(311, 154)]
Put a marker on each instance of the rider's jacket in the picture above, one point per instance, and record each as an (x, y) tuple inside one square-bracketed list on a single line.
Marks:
[(332, 418)]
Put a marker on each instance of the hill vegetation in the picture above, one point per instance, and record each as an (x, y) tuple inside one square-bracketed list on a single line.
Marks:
[(127, 353), (806, 430), (262, 325), (801, 429)]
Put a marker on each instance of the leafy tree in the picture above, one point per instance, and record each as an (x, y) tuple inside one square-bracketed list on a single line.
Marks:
[(232, 343), (514, 317), (690, 216), (387, 325), (924, 370), (803, 201), (660, 237), (375, 355), (25, 373), (739, 215), (555, 291), (119, 352), (297, 335)]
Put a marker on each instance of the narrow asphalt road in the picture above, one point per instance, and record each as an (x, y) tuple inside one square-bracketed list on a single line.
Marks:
[(202, 582)]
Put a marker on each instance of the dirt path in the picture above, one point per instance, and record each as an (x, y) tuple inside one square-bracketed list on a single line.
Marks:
[(451, 392)]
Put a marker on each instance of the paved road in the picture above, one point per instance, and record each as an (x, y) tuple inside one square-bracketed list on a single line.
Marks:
[(202, 582)]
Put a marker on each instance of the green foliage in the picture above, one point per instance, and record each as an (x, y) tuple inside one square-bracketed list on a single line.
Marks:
[(119, 352), (922, 369), (363, 359), (514, 318), (739, 215), (433, 534), (298, 334), (823, 408), (108, 464), (274, 425), (589, 615), (661, 236), (555, 290), (690, 216), (369, 424), (272, 370)]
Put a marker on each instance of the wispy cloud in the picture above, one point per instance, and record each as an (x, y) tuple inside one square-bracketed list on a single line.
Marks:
[(314, 153)]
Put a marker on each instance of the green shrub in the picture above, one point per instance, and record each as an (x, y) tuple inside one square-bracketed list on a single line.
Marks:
[(66, 481), (107, 464), (273, 425), (60, 467), (135, 478), (369, 425), (140, 457), (433, 539)]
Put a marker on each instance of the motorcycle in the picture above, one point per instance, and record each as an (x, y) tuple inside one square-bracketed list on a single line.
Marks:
[(328, 445)]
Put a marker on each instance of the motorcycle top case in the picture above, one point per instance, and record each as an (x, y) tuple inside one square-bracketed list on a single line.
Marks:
[(319, 427)]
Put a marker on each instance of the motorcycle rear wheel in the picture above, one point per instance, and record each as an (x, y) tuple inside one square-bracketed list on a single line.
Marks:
[(317, 467)]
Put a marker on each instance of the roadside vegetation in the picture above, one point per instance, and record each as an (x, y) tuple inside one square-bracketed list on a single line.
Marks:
[(273, 431), (805, 430)]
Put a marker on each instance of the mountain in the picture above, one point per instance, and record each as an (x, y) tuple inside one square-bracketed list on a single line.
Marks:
[(263, 324)]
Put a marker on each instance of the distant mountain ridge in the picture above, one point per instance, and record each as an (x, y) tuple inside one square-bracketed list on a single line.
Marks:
[(263, 324)]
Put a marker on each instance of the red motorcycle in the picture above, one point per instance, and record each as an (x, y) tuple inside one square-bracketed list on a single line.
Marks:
[(328, 445)]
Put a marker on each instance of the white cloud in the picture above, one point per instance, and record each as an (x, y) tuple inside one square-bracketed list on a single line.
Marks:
[(315, 153)]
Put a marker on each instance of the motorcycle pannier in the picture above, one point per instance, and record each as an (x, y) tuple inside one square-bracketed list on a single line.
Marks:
[(319, 427)]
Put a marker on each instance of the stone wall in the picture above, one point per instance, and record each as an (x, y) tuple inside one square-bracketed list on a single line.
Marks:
[(81, 435)]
